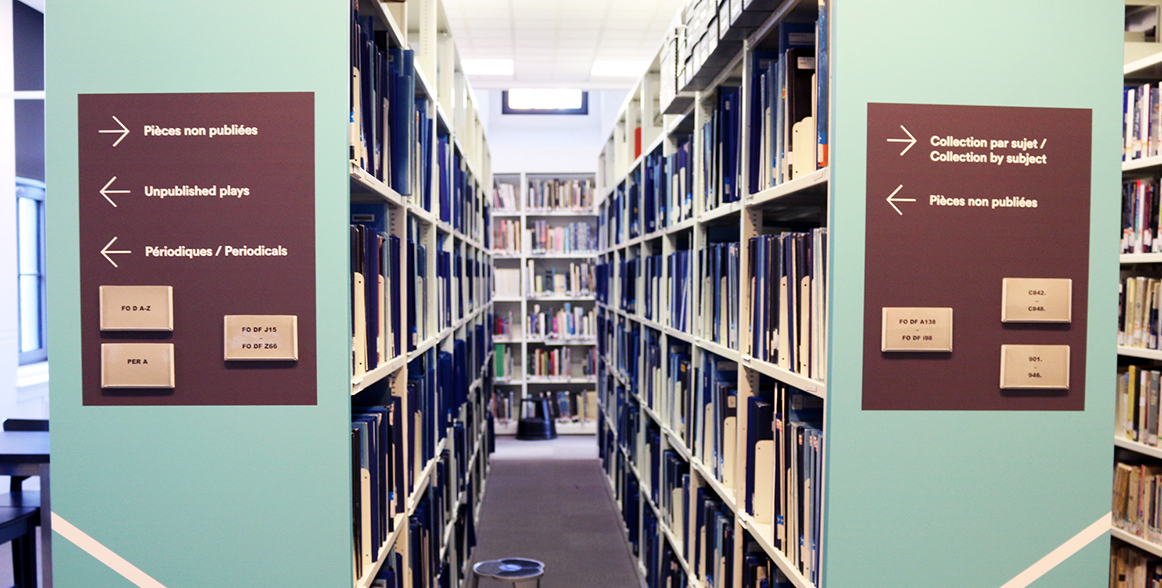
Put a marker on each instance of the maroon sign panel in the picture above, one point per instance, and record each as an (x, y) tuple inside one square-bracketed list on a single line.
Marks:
[(212, 194), (958, 199)]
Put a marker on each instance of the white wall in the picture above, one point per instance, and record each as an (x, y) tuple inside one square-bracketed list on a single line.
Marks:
[(548, 143)]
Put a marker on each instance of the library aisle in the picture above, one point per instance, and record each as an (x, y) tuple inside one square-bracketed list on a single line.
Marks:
[(548, 501), (727, 269)]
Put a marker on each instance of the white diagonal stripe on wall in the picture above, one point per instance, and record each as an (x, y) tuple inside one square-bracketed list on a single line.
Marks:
[(103, 554), (1062, 553)]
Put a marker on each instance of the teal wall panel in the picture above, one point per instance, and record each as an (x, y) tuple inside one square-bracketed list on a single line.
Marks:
[(967, 498), (203, 496)]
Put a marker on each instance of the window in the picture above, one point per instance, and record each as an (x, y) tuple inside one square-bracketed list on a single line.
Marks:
[(545, 101), (28, 109), (30, 265)]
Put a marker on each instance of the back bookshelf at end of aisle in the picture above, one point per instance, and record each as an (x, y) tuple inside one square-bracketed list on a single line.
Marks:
[(421, 276), (712, 291), (544, 327)]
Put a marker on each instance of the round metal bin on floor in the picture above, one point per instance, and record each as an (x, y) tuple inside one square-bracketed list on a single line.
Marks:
[(523, 573)]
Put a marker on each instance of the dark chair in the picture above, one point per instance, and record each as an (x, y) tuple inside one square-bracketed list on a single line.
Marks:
[(18, 525), (23, 425), (20, 515)]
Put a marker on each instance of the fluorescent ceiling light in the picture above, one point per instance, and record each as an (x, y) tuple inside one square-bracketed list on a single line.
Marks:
[(487, 67), (620, 69), (544, 99)]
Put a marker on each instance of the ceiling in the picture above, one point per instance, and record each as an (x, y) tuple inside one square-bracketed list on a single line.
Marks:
[(553, 43)]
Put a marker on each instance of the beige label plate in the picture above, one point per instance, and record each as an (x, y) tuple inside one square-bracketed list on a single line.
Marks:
[(261, 337), (1037, 300), (137, 365), (1035, 366), (923, 329), (136, 308)]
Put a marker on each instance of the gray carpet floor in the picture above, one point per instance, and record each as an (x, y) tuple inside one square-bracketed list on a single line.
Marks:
[(549, 501)]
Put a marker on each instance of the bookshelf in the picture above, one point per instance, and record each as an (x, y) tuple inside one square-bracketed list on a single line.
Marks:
[(686, 388), (537, 323), (1136, 453), (379, 460)]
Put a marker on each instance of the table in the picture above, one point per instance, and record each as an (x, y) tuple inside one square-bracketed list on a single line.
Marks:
[(25, 453)]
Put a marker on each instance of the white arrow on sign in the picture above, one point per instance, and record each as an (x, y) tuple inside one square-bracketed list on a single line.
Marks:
[(893, 200), (124, 131), (106, 251), (106, 191), (910, 140)]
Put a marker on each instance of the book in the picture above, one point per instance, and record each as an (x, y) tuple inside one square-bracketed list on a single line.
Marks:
[(401, 68)]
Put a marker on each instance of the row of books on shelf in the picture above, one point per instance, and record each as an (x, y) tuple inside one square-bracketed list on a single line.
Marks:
[(565, 195), (457, 189), (782, 451), (706, 543), (663, 568), (1141, 123), (1137, 501), (438, 561), (652, 296), (660, 195), (788, 293), (383, 137), (787, 490), (391, 444), (601, 275), (1130, 568), (381, 477), (622, 340), (504, 198), (677, 292), (503, 325), (383, 268), (1139, 299), (504, 362), (788, 117), (789, 87), (633, 198), (721, 296), (577, 280), (507, 236), (457, 281), (377, 281), (392, 133), (628, 272), (668, 186), (1138, 404), (1141, 216), (507, 280), (568, 406), (567, 322), (565, 362), (544, 238), (417, 282), (681, 292), (610, 224), (721, 157), (577, 237), (668, 388)]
